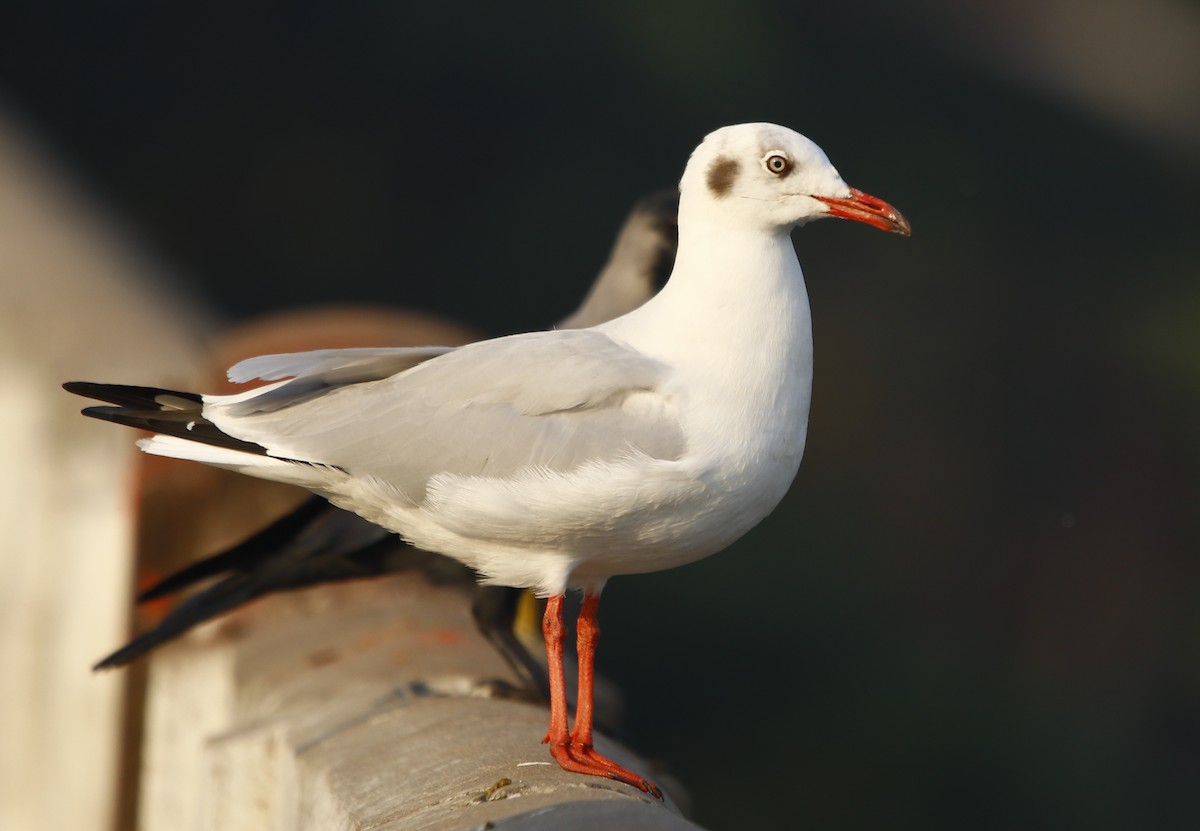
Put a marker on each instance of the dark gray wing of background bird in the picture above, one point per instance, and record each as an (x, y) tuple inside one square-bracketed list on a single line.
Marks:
[(320, 543)]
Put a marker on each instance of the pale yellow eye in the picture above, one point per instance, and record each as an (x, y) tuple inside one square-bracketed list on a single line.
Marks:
[(778, 165)]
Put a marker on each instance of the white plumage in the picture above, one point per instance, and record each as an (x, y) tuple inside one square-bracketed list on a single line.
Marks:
[(556, 459), (559, 459)]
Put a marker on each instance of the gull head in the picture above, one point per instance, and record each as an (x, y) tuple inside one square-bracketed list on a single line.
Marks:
[(767, 177)]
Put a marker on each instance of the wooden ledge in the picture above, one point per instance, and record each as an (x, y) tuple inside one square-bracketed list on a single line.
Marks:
[(361, 706)]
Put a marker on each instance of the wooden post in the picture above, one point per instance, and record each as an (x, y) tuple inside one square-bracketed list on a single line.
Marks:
[(76, 302), (360, 705)]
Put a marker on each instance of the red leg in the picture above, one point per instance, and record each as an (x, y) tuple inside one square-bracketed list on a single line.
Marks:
[(552, 631), (575, 752), (587, 631)]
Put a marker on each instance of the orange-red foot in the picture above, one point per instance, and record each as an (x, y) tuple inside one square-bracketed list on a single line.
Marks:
[(584, 759)]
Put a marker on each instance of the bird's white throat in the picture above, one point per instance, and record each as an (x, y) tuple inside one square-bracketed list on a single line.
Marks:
[(734, 324)]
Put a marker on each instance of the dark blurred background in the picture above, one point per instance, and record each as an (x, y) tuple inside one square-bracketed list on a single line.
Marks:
[(978, 606)]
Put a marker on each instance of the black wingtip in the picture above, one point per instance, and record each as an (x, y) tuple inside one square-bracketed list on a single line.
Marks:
[(186, 424), (213, 601), (108, 663), (131, 651), (126, 395), (128, 653), (247, 554)]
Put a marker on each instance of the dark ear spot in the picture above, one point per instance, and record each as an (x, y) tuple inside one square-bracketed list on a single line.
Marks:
[(721, 175)]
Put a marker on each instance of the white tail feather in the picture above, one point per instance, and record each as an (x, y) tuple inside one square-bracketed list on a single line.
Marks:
[(251, 464), (180, 448)]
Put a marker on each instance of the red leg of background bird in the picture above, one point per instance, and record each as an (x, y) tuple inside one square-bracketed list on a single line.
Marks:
[(581, 752), (552, 630)]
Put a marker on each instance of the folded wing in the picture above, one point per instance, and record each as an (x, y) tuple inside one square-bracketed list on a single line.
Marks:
[(552, 400)]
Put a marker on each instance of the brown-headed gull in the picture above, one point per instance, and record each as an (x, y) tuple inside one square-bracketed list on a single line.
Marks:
[(556, 460)]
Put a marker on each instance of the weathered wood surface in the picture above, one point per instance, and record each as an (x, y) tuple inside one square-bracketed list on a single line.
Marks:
[(360, 706)]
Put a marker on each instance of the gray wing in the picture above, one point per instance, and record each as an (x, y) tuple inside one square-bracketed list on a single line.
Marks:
[(312, 374), (554, 400), (335, 366)]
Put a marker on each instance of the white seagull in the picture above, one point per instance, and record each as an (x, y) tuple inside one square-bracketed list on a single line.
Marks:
[(320, 543), (556, 460)]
